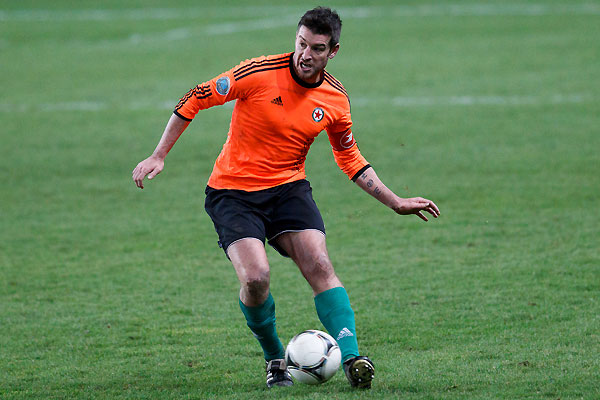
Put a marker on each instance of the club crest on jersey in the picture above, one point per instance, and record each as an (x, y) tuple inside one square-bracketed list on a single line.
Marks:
[(223, 85), (318, 114)]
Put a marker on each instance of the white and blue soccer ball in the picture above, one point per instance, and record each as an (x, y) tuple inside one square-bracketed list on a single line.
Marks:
[(313, 357)]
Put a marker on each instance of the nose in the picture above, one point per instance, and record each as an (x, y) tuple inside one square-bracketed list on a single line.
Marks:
[(306, 54)]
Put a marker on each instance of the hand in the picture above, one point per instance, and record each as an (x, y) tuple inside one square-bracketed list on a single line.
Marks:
[(416, 205), (151, 166)]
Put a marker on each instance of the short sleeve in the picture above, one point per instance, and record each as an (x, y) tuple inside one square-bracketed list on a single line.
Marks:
[(215, 92)]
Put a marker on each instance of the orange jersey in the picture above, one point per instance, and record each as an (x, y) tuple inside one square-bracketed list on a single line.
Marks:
[(276, 118)]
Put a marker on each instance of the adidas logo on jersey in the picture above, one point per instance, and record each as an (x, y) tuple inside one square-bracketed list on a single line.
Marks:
[(277, 101), (344, 333)]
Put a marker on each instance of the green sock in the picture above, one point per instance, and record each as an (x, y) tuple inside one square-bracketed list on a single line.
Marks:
[(261, 321), (335, 313)]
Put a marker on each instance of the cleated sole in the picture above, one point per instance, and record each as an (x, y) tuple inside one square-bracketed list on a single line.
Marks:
[(363, 373)]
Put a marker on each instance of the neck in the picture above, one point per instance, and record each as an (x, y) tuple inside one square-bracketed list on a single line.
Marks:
[(315, 82)]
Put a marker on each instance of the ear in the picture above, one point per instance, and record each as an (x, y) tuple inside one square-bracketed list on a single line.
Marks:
[(334, 51)]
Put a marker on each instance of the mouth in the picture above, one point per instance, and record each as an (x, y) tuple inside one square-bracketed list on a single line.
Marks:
[(305, 67)]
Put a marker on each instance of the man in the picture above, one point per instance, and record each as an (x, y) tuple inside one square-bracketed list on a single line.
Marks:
[(257, 189)]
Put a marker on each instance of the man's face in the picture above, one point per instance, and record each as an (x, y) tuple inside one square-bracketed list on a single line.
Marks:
[(311, 54)]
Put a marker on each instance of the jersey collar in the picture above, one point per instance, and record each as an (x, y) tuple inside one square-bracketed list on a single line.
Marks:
[(300, 81)]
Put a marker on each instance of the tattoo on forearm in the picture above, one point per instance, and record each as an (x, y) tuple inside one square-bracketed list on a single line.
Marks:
[(370, 183), (377, 191), (364, 175)]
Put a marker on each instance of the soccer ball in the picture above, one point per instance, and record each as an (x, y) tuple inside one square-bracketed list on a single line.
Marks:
[(313, 357)]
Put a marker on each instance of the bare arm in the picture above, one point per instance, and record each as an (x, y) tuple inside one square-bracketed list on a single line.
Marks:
[(154, 164), (370, 183)]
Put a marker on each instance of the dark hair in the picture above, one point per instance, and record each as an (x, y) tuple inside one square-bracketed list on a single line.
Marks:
[(323, 21)]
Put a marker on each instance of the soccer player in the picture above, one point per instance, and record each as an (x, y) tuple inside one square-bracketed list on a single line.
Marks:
[(258, 188)]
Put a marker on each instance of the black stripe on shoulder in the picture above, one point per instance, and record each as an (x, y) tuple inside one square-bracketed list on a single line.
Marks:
[(336, 87), (184, 99), (342, 90), (261, 70), (333, 79), (202, 92), (203, 95), (255, 64), (203, 88), (335, 83)]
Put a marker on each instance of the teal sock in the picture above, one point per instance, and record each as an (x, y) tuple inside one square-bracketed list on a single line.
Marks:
[(335, 313), (261, 321)]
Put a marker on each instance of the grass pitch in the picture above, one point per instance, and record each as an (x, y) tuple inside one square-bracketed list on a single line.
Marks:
[(490, 109)]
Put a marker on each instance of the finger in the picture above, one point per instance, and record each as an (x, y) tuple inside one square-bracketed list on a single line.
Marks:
[(420, 215), (427, 203), (431, 211), (432, 205), (153, 173), (138, 179), (136, 170)]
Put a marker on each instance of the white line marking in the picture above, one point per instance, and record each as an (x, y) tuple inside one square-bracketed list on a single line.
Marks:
[(487, 100), (73, 106), (431, 101), (140, 14), (368, 12), (273, 17), (214, 30), (423, 10), (252, 25), (431, 10), (399, 101)]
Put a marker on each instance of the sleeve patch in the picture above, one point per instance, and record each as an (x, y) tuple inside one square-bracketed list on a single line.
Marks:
[(223, 85), (342, 140), (347, 140)]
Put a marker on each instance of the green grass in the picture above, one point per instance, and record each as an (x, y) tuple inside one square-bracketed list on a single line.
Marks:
[(111, 292)]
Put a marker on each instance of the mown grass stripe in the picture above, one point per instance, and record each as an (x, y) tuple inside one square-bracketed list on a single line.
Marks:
[(424, 10), (358, 101)]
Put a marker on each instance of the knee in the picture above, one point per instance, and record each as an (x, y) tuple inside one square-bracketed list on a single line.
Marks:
[(257, 285), (319, 266)]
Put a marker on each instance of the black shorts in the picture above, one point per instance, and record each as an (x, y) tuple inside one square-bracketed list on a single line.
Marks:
[(268, 213)]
